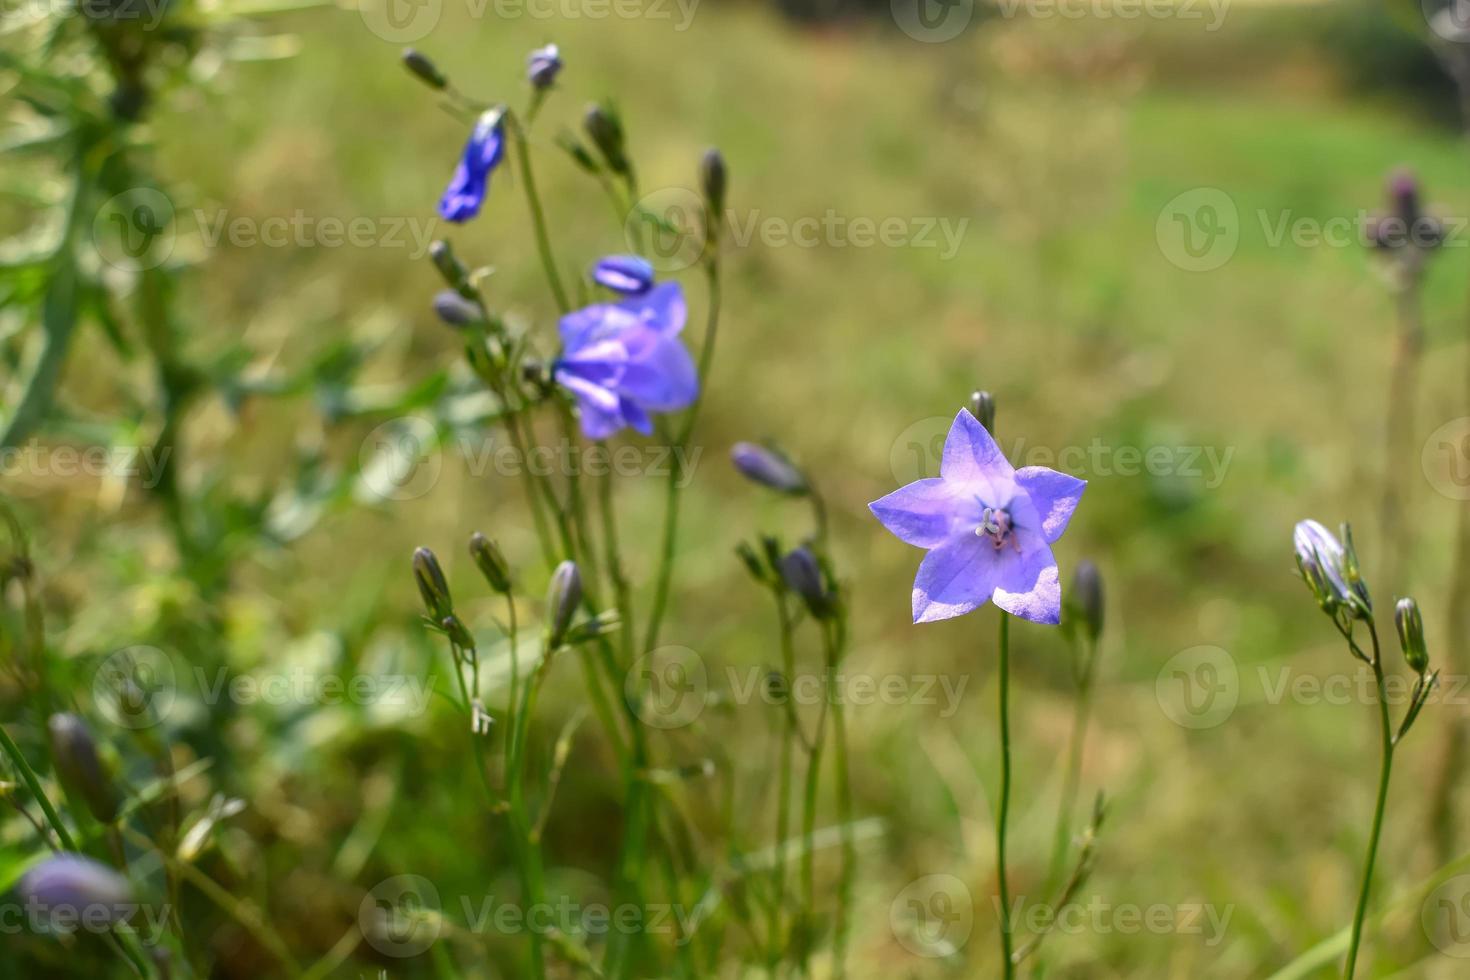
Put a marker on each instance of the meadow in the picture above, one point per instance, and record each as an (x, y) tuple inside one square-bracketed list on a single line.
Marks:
[(1030, 175)]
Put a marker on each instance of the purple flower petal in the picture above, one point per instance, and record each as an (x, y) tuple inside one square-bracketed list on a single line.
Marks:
[(970, 454), (1028, 585), (921, 514), (1055, 496), (955, 578)]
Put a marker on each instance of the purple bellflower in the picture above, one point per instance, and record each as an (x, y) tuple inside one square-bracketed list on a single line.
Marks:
[(623, 361), (482, 154), (988, 528)]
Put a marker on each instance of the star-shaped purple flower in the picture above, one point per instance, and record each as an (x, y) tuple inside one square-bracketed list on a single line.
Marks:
[(988, 528), (482, 153), (623, 361)]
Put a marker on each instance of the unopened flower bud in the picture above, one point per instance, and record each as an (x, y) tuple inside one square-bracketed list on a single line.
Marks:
[(1410, 626), (490, 562), (455, 310), (714, 178), (424, 69), (72, 888), (803, 575), (1087, 599), (767, 467), (78, 766), (982, 406), (631, 275), (543, 65), (605, 130), (432, 585), (562, 598)]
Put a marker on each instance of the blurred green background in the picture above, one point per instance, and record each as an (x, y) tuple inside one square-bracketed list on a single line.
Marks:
[(1063, 146)]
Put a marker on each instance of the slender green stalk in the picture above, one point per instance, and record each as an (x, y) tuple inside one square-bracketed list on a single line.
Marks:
[(783, 792), (1003, 813), (34, 785), (1385, 772), (538, 215), (671, 497)]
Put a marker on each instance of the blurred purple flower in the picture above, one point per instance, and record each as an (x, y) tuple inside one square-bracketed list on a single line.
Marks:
[(988, 529), (466, 190), (624, 360), (630, 275), (543, 65)]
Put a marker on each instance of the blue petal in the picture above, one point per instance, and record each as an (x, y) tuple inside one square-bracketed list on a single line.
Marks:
[(955, 578), (1055, 496), (1028, 585), (921, 514)]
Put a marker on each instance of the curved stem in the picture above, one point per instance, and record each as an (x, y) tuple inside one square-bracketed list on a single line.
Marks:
[(1005, 796), (1384, 774)]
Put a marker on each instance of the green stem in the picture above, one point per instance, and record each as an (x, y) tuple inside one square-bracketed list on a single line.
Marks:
[(34, 785), (1009, 969), (538, 216), (1383, 778)]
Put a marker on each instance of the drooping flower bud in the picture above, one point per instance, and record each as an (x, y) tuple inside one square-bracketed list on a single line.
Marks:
[(424, 69), (73, 890), (455, 310), (714, 179), (432, 584), (605, 130), (982, 406), (1410, 626), (491, 562), (803, 575), (562, 598), (543, 65), (768, 467), (1086, 599), (631, 275), (78, 766)]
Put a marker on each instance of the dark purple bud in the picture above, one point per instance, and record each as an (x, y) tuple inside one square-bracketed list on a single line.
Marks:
[(1087, 599), (543, 65), (490, 562), (768, 467), (605, 130), (714, 178), (455, 310), (424, 69), (77, 891), (562, 598), (982, 406), (432, 585), (1410, 626), (630, 275), (803, 575), (78, 766)]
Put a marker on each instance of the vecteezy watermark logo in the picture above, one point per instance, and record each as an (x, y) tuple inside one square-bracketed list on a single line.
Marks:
[(134, 230), (933, 916), (135, 687), (668, 225), (1199, 229), (400, 916), (400, 21), (400, 460), (1446, 459), (1445, 916), (932, 21), (668, 687), (1198, 687)]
